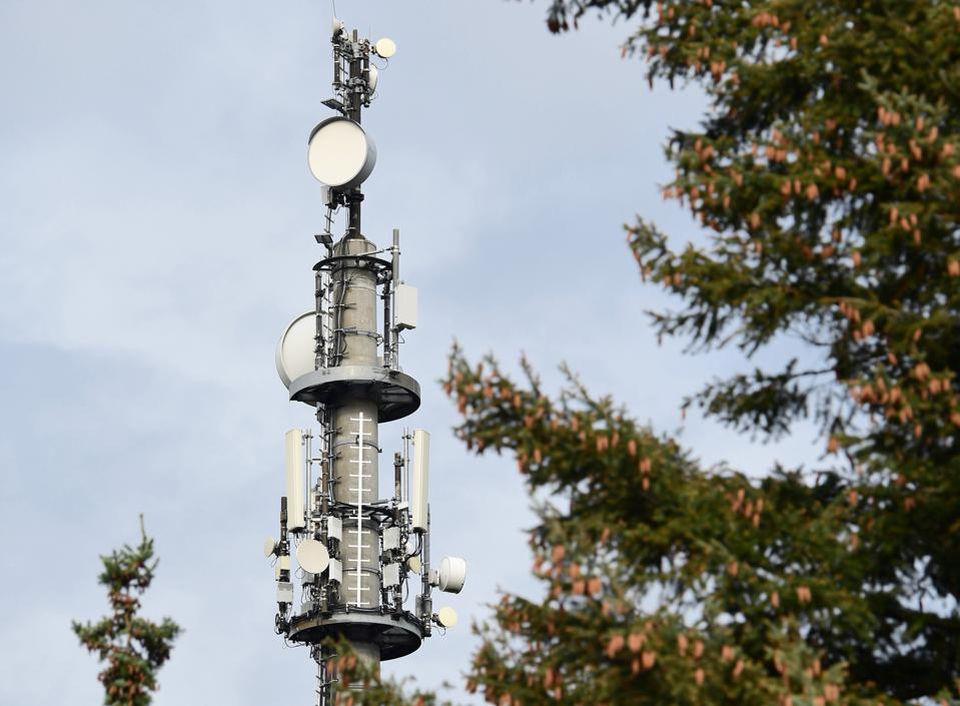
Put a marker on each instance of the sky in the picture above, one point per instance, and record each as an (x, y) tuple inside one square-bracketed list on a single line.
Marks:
[(156, 217)]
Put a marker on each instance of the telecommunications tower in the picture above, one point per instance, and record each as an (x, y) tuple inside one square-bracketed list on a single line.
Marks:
[(346, 556)]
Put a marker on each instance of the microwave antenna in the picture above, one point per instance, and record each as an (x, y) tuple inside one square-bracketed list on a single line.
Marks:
[(348, 559)]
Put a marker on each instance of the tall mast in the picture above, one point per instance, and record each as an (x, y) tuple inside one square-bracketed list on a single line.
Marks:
[(345, 554)]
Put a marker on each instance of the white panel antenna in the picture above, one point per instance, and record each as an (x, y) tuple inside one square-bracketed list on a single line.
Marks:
[(406, 300), (293, 447), (336, 570), (391, 538), (421, 477), (284, 592), (335, 528), (391, 575)]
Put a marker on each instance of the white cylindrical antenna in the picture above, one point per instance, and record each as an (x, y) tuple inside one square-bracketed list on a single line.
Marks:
[(293, 448), (421, 473), (452, 574)]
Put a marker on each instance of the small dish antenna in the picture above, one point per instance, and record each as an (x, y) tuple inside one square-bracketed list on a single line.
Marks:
[(269, 547), (373, 78), (413, 563), (312, 556), (295, 350), (447, 617), (385, 48), (340, 154)]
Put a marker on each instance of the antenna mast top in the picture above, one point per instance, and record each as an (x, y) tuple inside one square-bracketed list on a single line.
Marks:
[(354, 83)]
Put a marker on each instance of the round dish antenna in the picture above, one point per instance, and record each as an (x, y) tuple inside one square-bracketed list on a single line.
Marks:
[(312, 556), (385, 48), (269, 546), (447, 617), (413, 563), (295, 350), (340, 154)]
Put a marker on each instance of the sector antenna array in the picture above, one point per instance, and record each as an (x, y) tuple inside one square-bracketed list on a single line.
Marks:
[(350, 563)]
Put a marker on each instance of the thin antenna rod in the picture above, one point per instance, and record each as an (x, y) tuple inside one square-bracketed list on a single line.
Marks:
[(354, 105)]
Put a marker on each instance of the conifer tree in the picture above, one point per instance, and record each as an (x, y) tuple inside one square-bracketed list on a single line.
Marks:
[(826, 174), (133, 647)]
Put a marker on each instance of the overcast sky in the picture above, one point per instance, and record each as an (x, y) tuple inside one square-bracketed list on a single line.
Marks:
[(156, 217)]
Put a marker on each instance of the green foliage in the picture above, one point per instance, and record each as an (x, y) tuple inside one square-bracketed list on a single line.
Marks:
[(826, 175), (133, 648), (357, 684), (665, 583)]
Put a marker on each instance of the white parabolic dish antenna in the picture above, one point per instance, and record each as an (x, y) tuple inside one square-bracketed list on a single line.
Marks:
[(340, 154), (269, 546), (295, 350), (447, 617), (385, 47), (312, 556)]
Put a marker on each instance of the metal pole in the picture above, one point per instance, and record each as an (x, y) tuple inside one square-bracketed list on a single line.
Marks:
[(353, 112), (387, 340), (388, 331)]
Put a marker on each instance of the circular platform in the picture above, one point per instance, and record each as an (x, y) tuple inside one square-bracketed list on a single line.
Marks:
[(372, 262), (397, 636), (396, 394)]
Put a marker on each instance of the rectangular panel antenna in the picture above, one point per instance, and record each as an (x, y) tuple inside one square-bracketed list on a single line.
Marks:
[(335, 528), (284, 592), (421, 473), (391, 575), (406, 299), (391, 538), (335, 571), (293, 448)]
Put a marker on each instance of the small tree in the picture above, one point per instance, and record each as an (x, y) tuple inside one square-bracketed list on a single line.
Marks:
[(133, 648)]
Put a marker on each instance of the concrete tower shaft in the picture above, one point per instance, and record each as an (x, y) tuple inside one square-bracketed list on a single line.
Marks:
[(355, 461), (356, 332)]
